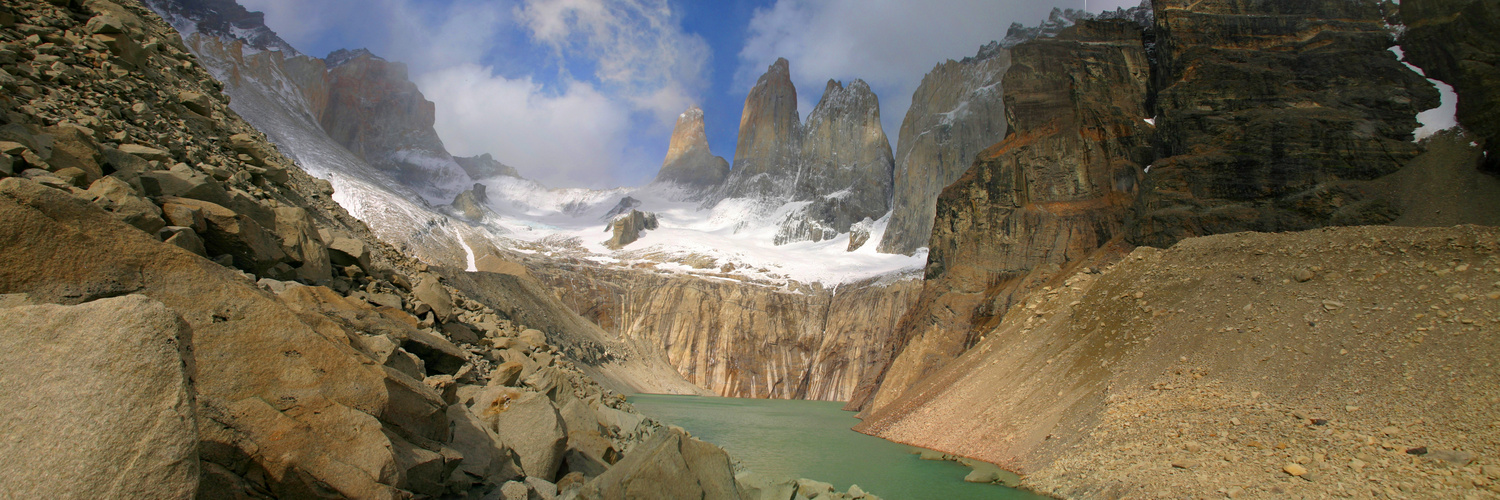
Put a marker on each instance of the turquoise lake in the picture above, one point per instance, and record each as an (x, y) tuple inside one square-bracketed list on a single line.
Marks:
[(811, 439)]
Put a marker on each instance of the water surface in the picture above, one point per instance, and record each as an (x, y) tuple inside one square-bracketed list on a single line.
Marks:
[(791, 439)]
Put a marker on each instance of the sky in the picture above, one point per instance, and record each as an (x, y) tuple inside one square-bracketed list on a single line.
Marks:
[(584, 93)]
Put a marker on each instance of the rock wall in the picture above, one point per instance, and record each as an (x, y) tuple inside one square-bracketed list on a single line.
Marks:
[(377, 113), (1263, 111), (956, 112), (1452, 40), (744, 339), (1050, 194), (770, 139)]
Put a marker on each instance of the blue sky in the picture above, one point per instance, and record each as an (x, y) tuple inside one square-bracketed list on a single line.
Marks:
[(583, 93)]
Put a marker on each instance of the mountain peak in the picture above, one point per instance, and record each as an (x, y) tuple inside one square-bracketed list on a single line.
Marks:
[(341, 56)]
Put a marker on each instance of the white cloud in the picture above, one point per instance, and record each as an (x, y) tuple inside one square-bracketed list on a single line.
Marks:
[(890, 44), (577, 137), (637, 48)]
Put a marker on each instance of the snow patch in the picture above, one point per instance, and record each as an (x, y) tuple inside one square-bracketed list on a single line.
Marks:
[(1434, 120)]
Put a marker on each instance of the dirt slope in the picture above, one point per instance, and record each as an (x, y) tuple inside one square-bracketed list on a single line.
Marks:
[(1216, 365)]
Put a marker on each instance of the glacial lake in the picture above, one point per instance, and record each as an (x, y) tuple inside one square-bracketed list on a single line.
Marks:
[(811, 439)]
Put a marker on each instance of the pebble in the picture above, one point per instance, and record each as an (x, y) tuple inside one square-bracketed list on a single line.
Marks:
[(1184, 463), (1295, 470)]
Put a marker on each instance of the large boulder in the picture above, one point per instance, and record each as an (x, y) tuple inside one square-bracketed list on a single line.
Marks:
[(300, 240), (282, 407), (118, 197), (670, 465), (98, 401), (229, 232), (528, 423), (432, 293), (183, 181), (625, 229)]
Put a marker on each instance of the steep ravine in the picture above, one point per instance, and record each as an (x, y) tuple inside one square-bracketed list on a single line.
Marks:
[(742, 339)]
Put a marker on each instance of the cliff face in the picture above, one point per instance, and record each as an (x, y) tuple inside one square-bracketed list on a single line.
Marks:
[(845, 162), (689, 163), (770, 140), (1264, 109), (1453, 41), (956, 112), (839, 162), (744, 339), (377, 113), (1052, 192)]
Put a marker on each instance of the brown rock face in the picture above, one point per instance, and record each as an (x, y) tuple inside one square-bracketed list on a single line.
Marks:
[(1053, 192), (624, 229), (1264, 108), (770, 139), (1454, 41), (955, 113), (689, 162)]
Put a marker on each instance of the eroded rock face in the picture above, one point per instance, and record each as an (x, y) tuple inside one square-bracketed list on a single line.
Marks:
[(956, 112), (741, 339), (1453, 41), (689, 163), (1263, 109), (378, 113), (1054, 191), (485, 166)]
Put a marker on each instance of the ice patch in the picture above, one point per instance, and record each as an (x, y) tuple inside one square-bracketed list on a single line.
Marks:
[(1150, 121), (468, 254), (1434, 120)]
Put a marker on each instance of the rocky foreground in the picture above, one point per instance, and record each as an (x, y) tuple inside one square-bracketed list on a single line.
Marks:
[(186, 313)]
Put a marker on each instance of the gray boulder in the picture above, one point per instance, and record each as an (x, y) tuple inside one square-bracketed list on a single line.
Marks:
[(99, 403), (528, 423), (432, 293), (670, 465), (184, 182)]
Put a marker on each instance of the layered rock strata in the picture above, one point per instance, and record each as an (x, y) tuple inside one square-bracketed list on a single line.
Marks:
[(956, 112), (1055, 190), (1452, 40), (744, 339), (1264, 110), (689, 163)]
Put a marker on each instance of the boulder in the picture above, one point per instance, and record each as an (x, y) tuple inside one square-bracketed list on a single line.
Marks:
[(440, 355), (486, 459), (528, 424), (432, 293), (182, 181), (288, 408), (533, 337), (300, 240), (99, 401), (183, 237), (195, 102), (506, 374), (145, 152), (670, 465), (74, 147), (345, 251), (119, 198), (231, 233), (755, 486), (461, 333)]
